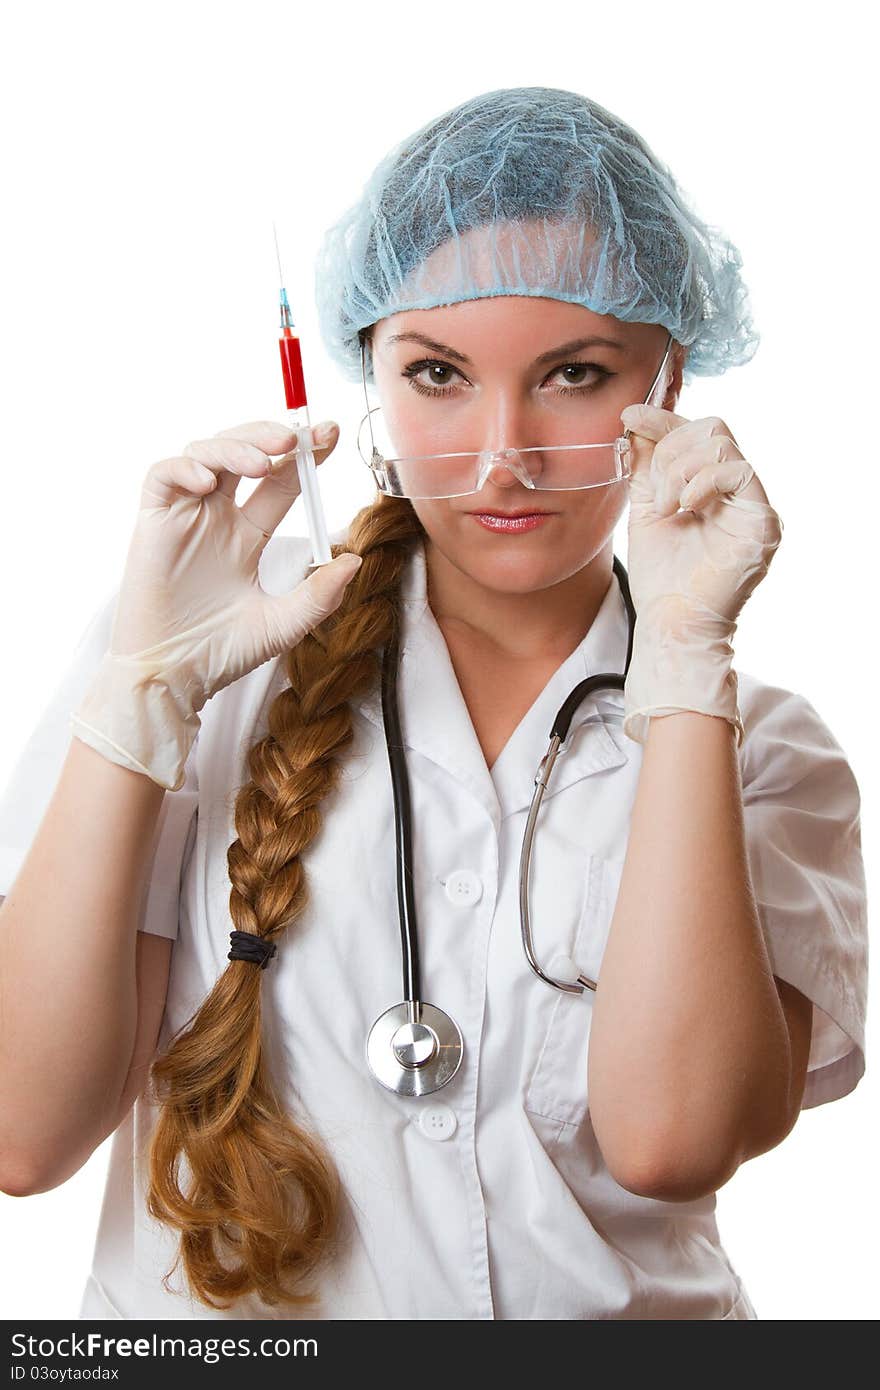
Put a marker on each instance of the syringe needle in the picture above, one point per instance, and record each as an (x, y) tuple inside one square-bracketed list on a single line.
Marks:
[(278, 254)]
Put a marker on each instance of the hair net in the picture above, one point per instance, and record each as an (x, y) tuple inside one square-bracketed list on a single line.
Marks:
[(532, 191)]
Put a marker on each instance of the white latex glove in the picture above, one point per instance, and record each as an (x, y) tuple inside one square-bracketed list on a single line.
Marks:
[(690, 572), (192, 616)]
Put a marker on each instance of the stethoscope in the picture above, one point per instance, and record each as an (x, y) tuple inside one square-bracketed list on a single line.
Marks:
[(414, 1047)]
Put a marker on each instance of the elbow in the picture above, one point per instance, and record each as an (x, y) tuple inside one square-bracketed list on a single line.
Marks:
[(24, 1182), (686, 1171), (676, 1187), (16, 1180), (675, 1177), (23, 1177), (16, 1173)]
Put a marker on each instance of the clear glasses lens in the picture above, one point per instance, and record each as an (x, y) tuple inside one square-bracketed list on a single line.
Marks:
[(556, 468), (548, 468)]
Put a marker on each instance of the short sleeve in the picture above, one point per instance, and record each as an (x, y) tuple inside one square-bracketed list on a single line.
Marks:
[(24, 800), (802, 811)]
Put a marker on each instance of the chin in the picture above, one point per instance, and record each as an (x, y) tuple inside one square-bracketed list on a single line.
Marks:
[(518, 565)]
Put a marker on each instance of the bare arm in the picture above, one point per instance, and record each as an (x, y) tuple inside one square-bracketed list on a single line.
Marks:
[(68, 986), (691, 1065)]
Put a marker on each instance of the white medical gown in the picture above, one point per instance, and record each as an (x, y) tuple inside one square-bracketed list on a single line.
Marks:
[(489, 1198)]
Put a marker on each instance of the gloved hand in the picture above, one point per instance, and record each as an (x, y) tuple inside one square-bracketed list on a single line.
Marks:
[(690, 572), (192, 616)]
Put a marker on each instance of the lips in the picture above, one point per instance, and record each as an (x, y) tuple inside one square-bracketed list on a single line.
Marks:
[(511, 523)]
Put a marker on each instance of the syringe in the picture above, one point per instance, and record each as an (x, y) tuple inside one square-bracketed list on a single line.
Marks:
[(298, 415)]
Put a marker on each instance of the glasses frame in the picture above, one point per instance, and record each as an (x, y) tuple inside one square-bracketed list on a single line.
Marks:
[(491, 458)]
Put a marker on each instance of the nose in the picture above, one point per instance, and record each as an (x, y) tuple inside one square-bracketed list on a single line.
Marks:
[(502, 468), (499, 476), (500, 473), (507, 421), (503, 420)]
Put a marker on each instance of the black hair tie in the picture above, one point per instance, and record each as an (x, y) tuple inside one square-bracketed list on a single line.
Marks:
[(256, 949)]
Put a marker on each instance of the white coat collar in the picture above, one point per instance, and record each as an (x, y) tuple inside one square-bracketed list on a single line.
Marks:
[(435, 720)]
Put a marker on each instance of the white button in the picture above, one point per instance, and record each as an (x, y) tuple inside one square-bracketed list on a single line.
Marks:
[(437, 1121), (464, 888), (563, 968)]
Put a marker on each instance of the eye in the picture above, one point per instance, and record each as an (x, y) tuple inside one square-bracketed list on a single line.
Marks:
[(440, 372), (577, 387), (440, 388)]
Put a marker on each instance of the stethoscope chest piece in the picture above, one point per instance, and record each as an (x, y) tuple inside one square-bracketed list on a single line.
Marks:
[(414, 1057)]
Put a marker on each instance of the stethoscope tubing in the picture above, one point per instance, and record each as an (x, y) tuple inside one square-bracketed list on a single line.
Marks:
[(608, 680), (443, 1064), (412, 973)]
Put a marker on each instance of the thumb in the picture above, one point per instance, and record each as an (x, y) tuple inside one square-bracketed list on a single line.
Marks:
[(640, 484), (312, 601), (326, 585), (641, 446)]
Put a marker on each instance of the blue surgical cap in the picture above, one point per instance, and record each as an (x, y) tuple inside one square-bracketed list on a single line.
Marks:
[(532, 191)]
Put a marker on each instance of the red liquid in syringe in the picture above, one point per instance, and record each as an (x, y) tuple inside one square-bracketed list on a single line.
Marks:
[(292, 370)]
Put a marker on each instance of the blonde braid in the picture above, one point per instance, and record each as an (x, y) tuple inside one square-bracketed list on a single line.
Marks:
[(262, 1188)]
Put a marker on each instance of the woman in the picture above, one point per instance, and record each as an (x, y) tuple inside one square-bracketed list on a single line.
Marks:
[(520, 275)]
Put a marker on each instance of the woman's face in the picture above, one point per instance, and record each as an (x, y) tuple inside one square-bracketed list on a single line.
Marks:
[(477, 385)]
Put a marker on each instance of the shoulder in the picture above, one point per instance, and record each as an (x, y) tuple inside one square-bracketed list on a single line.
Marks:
[(783, 732), (790, 756), (764, 706)]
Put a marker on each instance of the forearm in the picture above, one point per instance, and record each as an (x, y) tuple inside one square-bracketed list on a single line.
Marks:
[(68, 930), (689, 1047)]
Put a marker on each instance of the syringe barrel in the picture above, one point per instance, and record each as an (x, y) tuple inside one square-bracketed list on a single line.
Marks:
[(292, 371), (311, 496)]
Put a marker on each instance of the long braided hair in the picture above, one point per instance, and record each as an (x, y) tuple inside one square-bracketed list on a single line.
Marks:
[(262, 1189)]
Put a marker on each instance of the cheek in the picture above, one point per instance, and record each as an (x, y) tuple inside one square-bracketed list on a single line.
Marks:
[(591, 510), (402, 420), (609, 508), (410, 432), (436, 517)]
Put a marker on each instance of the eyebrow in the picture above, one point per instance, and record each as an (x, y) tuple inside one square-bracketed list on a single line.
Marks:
[(574, 346)]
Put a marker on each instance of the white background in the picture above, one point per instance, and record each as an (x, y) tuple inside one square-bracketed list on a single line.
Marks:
[(148, 149)]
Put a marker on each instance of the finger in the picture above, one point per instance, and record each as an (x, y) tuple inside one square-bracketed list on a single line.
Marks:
[(230, 459), (271, 436), (171, 478), (268, 437), (691, 433), (253, 445), (649, 422), (668, 477), (716, 480), (273, 498)]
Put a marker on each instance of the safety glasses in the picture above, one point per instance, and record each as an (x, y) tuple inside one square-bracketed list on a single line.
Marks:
[(544, 468)]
